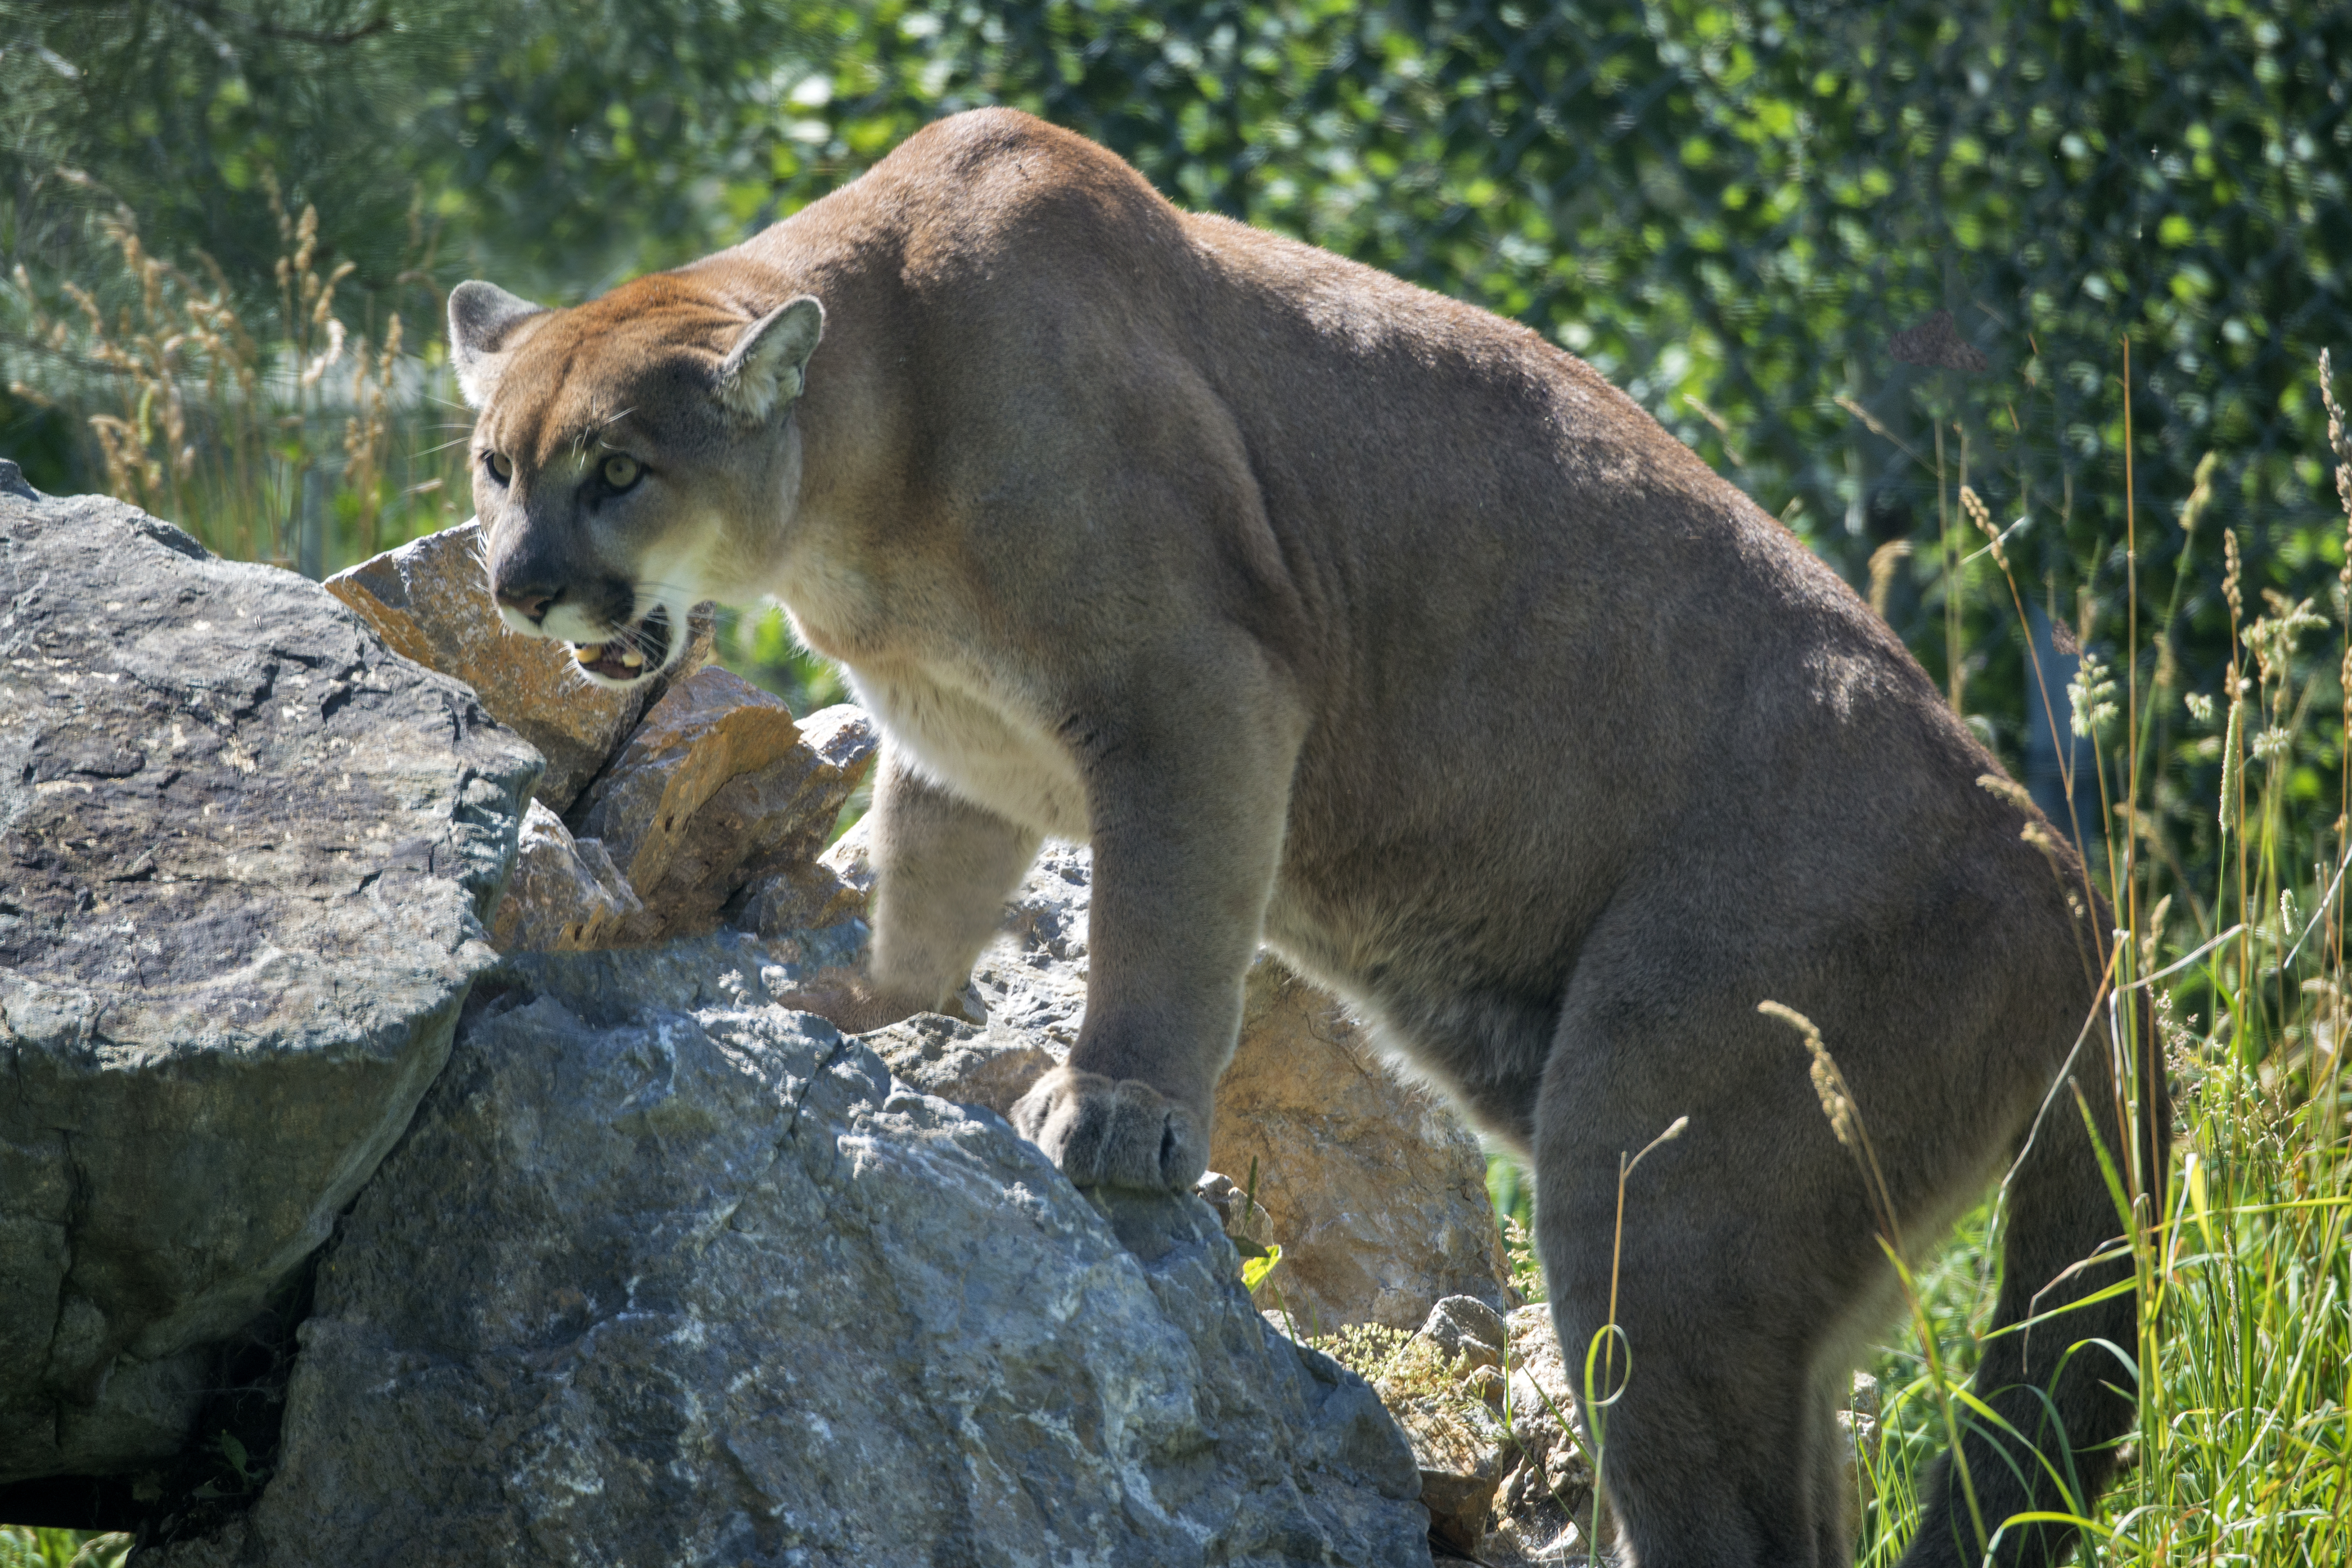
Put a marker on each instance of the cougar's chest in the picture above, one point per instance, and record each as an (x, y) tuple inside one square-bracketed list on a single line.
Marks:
[(980, 744)]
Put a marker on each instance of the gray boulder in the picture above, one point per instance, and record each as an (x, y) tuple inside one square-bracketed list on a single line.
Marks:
[(657, 1281), (245, 852)]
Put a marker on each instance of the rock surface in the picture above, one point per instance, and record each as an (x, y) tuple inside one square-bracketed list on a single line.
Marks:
[(1461, 1446), (430, 600), (742, 847), (246, 852), (968, 1063), (653, 1285), (706, 731), (1543, 1509), (764, 824), (1378, 1192), (566, 895), (1032, 978)]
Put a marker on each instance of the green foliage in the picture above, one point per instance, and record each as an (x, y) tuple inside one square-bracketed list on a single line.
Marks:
[(1738, 213), (762, 650), (24, 1547), (1255, 1270)]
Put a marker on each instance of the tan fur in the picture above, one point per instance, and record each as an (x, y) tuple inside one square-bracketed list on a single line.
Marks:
[(1347, 618)]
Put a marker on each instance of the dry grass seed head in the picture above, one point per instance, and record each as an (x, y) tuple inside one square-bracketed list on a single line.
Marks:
[(2231, 573), (2091, 696), (2151, 933), (2201, 492), (2008, 789), (1973, 504), (1829, 1084), (1882, 561), (2339, 443)]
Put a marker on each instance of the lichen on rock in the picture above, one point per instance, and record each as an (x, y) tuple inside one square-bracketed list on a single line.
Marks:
[(249, 851), (703, 1284)]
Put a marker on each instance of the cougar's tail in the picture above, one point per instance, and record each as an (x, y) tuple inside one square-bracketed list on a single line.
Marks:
[(2062, 1391)]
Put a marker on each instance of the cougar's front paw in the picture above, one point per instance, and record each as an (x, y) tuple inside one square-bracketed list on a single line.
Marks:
[(1122, 1134)]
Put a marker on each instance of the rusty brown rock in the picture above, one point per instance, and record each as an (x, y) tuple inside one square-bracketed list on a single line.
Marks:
[(430, 601), (706, 730), (791, 808), (1459, 1447), (565, 895), (1378, 1193), (829, 893), (763, 826), (804, 897), (1463, 1447)]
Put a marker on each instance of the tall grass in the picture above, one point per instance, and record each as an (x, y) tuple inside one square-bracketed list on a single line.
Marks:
[(2241, 1452), (305, 441), (309, 430)]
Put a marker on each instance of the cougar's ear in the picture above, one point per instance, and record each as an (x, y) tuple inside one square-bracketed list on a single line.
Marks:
[(481, 317), (767, 366)]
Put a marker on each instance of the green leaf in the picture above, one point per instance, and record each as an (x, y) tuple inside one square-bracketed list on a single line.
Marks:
[(1256, 1270)]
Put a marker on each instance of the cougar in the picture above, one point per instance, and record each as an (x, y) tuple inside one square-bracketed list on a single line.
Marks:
[(1350, 619)]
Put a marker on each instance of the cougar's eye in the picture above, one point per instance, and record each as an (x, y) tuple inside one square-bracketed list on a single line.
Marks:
[(501, 469), (620, 472)]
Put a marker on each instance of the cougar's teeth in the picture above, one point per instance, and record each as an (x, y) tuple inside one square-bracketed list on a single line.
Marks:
[(633, 658), (588, 652)]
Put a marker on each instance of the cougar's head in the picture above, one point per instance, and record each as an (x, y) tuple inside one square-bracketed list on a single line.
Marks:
[(632, 456)]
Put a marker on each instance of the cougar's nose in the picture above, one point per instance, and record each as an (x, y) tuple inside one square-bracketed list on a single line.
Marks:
[(530, 603)]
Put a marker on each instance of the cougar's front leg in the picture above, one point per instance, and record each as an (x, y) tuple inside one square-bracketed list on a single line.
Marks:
[(1187, 810), (942, 869)]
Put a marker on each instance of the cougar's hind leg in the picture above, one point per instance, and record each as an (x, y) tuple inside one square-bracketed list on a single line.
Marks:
[(1743, 1265), (1716, 1449)]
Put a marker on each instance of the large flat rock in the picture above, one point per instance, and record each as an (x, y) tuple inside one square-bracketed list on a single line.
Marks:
[(654, 1281), (244, 854)]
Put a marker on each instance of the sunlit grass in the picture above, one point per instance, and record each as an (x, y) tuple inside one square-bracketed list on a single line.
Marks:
[(311, 437), (22, 1547)]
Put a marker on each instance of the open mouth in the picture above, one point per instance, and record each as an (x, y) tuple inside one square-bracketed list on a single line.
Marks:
[(632, 652)]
